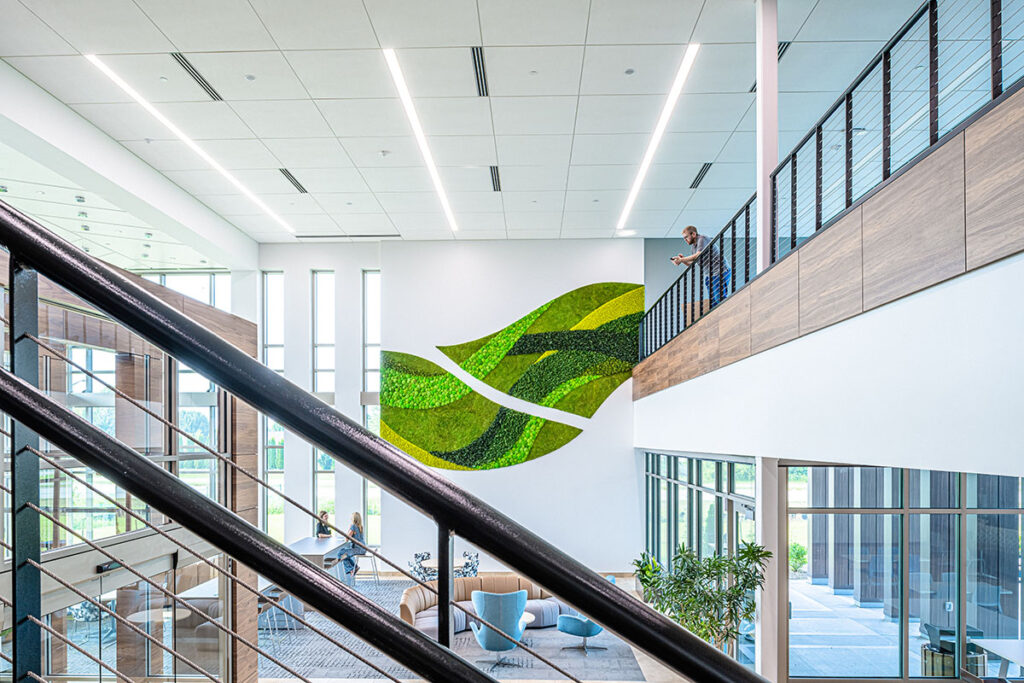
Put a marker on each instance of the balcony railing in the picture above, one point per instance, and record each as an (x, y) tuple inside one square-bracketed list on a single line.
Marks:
[(947, 65), (727, 264), (944, 65)]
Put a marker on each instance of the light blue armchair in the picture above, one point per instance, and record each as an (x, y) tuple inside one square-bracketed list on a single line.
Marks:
[(582, 627), (506, 612)]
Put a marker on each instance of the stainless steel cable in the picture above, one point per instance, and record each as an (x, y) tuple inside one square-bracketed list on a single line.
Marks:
[(252, 589), (260, 482), (176, 598), (121, 620), (66, 640), (255, 591)]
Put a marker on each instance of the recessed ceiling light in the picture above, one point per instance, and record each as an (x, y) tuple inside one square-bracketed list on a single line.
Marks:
[(145, 255), (630, 71), (83, 214), (533, 72), (85, 228), (147, 235), (202, 260), (163, 79), (155, 113), (147, 246), (417, 129), (659, 130), (250, 77), (40, 192), (85, 249), (80, 199)]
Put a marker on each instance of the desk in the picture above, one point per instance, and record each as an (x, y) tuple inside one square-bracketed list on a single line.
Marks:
[(209, 590), (316, 549), (1007, 650)]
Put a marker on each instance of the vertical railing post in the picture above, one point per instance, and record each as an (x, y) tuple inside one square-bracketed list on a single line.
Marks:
[(933, 71), (685, 302), (24, 320), (774, 219), (746, 244), (445, 584), (732, 273), (818, 143), (996, 14), (886, 115), (849, 149), (792, 203)]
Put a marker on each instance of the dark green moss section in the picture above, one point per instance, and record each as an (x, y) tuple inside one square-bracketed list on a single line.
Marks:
[(613, 344)]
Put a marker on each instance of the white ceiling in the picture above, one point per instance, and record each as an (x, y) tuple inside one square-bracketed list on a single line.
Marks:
[(305, 87), (87, 220)]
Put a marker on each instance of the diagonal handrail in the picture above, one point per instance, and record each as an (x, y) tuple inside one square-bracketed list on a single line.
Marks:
[(371, 456), (231, 534)]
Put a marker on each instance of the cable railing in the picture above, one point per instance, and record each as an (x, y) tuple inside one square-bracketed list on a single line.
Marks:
[(945, 66), (455, 511), (727, 263), (51, 461)]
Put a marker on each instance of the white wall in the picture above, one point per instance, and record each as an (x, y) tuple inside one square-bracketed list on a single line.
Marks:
[(348, 261), (932, 381), (586, 497)]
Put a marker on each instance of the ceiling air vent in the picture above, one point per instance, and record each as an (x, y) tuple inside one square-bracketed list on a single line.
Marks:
[(197, 77), (783, 46), (478, 69), (700, 176), (495, 179), (293, 180)]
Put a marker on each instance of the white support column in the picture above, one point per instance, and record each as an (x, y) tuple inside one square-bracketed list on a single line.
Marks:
[(245, 294), (771, 602), (767, 122)]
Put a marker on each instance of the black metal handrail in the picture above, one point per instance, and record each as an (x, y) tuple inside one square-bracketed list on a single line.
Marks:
[(727, 264), (330, 431), (230, 533), (921, 87)]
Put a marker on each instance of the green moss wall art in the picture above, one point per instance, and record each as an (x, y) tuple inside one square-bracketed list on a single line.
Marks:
[(569, 354)]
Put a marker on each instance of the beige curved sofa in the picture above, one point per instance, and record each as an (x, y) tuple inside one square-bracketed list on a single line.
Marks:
[(419, 606)]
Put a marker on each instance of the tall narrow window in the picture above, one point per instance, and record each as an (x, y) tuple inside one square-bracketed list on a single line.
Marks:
[(370, 398), (210, 288), (273, 433), (323, 331)]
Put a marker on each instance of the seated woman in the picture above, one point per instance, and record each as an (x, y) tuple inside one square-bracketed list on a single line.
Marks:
[(350, 549), (322, 530)]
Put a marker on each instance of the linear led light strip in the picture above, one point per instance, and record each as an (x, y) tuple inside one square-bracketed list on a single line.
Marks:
[(120, 82), (659, 130), (417, 129)]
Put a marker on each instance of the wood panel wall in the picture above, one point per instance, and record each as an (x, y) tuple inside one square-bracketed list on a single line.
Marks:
[(959, 208)]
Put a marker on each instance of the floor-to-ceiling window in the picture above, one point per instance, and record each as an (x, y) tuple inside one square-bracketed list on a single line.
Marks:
[(701, 503), (901, 574), (273, 433), (213, 288)]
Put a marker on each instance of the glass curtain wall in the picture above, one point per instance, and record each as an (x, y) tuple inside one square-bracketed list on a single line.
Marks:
[(901, 574), (704, 504), (210, 288)]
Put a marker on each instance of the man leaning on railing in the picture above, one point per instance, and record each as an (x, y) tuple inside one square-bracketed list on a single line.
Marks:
[(716, 273)]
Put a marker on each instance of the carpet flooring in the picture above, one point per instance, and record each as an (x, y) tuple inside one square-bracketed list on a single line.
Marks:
[(311, 656)]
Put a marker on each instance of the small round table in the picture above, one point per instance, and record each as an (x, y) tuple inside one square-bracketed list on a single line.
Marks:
[(528, 618), (157, 615)]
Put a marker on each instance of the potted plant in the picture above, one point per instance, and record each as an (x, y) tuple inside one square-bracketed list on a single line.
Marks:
[(709, 597)]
